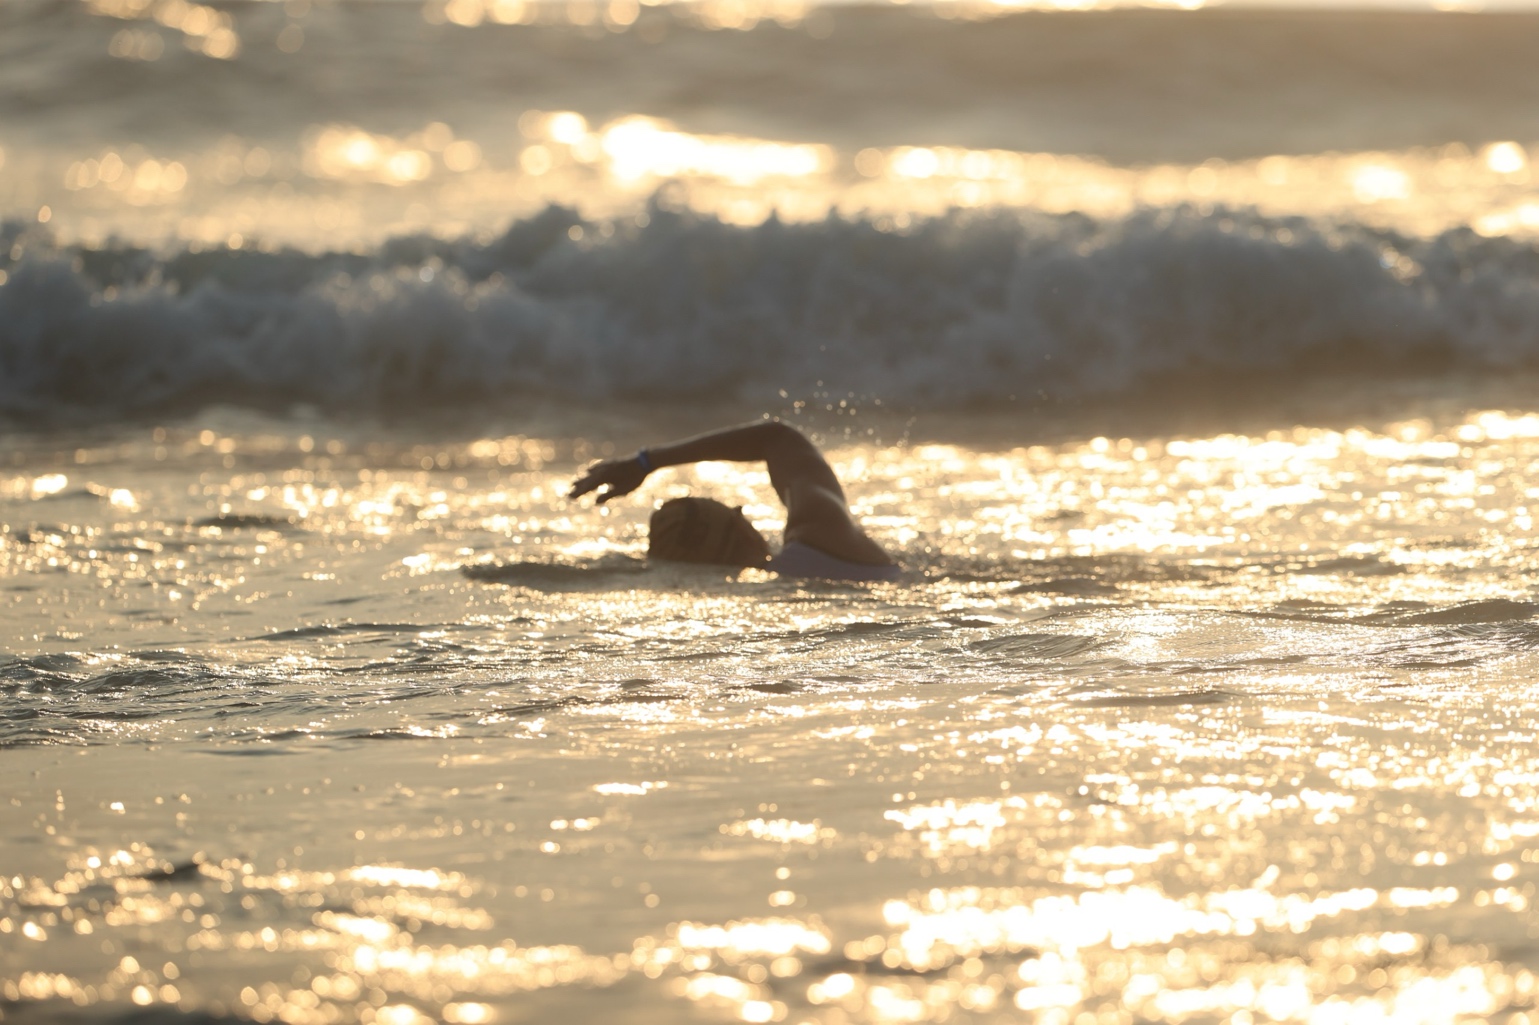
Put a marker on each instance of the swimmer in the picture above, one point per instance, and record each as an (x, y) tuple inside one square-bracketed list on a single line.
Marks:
[(822, 538)]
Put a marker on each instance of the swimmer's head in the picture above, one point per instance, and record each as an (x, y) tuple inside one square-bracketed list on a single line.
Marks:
[(705, 531)]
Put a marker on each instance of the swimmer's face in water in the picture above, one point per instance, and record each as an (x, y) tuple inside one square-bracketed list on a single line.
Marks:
[(702, 530)]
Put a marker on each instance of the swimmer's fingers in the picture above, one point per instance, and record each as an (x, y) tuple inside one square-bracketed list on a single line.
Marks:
[(616, 478), (623, 478), (594, 478)]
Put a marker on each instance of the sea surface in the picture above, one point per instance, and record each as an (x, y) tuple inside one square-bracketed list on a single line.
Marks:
[(1186, 360)]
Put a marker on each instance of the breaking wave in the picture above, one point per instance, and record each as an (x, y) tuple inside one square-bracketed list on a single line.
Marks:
[(961, 309)]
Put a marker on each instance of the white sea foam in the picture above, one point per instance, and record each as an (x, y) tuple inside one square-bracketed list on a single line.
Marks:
[(957, 310)]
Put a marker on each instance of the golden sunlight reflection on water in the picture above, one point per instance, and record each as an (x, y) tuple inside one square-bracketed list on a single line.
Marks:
[(1113, 923), (1161, 728)]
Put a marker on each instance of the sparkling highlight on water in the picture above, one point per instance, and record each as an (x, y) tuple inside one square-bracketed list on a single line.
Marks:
[(1227, 856)]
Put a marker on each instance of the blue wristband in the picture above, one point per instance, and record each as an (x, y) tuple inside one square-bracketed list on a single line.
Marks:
[(645, 459)]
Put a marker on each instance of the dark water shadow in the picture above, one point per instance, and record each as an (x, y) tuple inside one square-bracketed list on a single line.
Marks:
[(1496, 610), (1155, 700), (301, 633), (610, 572), (1076, 587), (247, 521)]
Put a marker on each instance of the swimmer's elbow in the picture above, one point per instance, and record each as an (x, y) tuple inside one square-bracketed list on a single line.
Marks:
[(781, 435), (790, 457)]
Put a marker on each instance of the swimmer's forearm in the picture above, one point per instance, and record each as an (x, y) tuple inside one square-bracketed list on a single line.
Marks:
[(763, 441), (788, 456)]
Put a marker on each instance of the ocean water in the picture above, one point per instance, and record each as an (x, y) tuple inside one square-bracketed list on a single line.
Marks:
[(1185, 359)]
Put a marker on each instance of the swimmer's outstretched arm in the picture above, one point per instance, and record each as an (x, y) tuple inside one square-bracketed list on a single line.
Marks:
[(787, 453), (816, 511)]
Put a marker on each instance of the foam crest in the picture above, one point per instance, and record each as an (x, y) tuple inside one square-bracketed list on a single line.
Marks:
[(957, 310)]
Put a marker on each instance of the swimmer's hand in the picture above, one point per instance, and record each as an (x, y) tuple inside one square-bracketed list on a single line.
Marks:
[(615, 476)]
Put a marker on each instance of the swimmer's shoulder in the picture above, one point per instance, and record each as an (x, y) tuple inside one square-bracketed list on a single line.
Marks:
[(833, 532)]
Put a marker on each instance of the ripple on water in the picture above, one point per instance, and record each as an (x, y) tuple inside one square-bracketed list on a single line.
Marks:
[(1034, 647), (1493, 610)]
